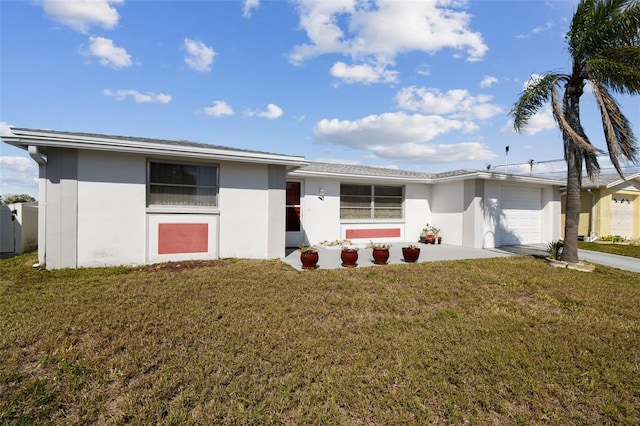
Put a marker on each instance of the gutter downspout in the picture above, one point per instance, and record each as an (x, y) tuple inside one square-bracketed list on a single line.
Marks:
[(34, 153), (592, 234)]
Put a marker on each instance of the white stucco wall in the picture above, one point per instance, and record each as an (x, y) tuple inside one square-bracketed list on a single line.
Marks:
[(551, 212), (111, 209), (321, 217), (447, 210), (112, 225), (491, 212), (244, 217), (417, 210)]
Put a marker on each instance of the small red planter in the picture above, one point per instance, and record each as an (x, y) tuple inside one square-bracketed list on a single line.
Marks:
[(309, 259), (410, 254), (380, 257), (349, 258)]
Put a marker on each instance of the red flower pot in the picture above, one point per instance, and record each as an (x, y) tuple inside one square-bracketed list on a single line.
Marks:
[(349, 258), (309, 260), (410, 254), (380, 257)]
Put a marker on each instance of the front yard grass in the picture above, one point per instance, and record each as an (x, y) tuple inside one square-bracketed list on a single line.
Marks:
[(490, 341), (631, 250)]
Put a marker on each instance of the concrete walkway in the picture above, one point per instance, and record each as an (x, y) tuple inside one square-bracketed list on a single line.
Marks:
[(330, 256), (621, 262)]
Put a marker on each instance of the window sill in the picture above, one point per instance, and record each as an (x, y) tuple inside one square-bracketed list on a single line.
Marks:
[(399, 220), (183, 209)]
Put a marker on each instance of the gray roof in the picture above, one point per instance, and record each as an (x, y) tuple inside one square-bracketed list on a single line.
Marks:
[(453, 173), (368, 172), (603, 181), (169, 142), (356, 170)]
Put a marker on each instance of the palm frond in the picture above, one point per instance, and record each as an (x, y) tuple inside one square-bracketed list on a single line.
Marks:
[(621, 140), (570, 135), (533, 97), (592, 167), (617, 69), (600, 25)]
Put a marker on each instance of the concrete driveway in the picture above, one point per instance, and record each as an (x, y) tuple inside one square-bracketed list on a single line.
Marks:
[(330, 256)]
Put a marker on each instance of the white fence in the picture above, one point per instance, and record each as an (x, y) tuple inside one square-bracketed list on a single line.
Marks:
[(18, 228)]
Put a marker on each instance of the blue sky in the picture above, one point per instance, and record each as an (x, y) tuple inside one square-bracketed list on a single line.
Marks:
[(415, 85)]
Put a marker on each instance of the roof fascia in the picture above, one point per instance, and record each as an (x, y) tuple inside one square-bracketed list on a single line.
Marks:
[(501, 177), (335, 175), (621, 181), (24, 138)]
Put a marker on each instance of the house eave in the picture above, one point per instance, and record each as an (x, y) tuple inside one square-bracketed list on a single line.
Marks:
[(501, 177), (23, 138), (621, 181), (356, 176)]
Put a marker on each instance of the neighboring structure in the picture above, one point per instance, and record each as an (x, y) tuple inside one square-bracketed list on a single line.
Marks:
[(110, 200), (610, 207), (18, 228)]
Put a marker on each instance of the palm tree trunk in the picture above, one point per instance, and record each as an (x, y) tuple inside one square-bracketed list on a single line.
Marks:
[(573, 203), (573, 155)]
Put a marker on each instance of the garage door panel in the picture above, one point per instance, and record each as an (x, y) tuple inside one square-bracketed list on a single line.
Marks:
[(520, 216), (622, 216)]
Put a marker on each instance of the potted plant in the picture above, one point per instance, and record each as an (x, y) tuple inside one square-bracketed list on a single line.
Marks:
[(429, 234), (410, 253), (380, 253), (349, 256), (439, 239), (308, 256)]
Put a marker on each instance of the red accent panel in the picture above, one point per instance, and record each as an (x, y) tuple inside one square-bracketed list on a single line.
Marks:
[(373, 233), (183, 238)]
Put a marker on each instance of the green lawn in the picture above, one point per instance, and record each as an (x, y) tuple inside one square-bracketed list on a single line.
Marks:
[(490, 341), (621, 249)]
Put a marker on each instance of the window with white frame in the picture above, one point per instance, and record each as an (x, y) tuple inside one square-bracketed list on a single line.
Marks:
[(174, 184), (371, 201)]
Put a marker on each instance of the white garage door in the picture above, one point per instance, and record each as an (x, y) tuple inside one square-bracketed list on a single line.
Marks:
[(622, 216), (520, 216)]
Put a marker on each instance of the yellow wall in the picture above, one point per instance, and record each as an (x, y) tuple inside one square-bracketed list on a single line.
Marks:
[(602, 210), (603, 215)]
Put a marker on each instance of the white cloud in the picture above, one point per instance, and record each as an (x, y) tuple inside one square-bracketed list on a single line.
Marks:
[(540, 29), (18, 171), (249, 5), (218, 109), (458, 103), (272, 112), (157, 98), (436, 153), (5, 130), (384, 129), (424, 70), (109, 55), (199, 56), (379, 31), (363, 73), (401, 137), (488, 81), (539, 122), (82, 14)]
